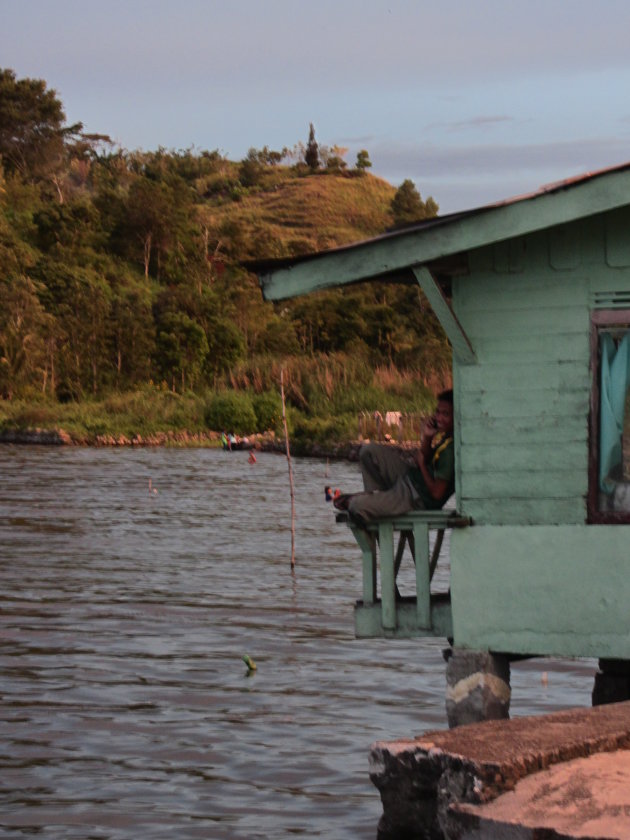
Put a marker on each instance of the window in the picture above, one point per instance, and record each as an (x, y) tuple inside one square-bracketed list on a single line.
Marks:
[(609, 469)]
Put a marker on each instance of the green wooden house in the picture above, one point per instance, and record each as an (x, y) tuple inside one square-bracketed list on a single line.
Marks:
[(534, 295)]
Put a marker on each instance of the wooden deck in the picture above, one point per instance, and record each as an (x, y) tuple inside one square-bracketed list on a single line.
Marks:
[(392, 615)]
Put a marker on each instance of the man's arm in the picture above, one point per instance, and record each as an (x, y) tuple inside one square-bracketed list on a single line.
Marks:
[(437, 487)]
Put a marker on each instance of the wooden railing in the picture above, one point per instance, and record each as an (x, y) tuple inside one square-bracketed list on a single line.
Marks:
[(376, 542)]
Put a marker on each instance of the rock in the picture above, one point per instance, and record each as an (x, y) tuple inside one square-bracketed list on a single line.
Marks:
[(477, 687)]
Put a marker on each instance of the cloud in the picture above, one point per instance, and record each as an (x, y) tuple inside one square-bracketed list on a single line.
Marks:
[(493, 159), (474, 122), (469, 176)]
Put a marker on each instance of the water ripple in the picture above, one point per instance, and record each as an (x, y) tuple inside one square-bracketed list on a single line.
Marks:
[(126, 709)]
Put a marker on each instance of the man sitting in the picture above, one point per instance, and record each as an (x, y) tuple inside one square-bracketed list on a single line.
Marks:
[(396, 482)]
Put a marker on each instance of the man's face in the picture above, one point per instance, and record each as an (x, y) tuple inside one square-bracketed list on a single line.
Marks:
[(444, 417)]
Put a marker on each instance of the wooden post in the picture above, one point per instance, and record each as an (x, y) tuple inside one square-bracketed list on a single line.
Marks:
[(286, 438)]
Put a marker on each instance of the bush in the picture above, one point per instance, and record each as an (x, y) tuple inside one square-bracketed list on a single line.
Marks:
[(322, 430), (231, 411), (268, 410)]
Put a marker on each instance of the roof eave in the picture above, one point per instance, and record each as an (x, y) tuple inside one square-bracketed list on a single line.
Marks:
[(394, 254)]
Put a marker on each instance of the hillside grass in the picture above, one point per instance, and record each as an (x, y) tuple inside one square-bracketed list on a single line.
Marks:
[(297, 215)]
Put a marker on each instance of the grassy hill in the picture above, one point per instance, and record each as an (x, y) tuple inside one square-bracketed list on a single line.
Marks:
[(292, 214)]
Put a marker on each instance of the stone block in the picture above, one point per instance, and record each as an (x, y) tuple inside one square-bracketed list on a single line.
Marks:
[(477, 687)]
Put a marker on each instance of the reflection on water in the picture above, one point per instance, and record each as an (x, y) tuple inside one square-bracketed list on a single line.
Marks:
[(127, 711)]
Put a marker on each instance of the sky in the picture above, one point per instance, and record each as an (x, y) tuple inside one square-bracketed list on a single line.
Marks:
[(475, 101)]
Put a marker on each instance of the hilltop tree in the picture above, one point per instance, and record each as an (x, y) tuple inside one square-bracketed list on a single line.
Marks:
[(408, 206), (32, 131), (311, 155), (363, 161)]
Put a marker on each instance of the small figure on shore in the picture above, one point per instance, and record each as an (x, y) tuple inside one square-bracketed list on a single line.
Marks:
[(225, 443)]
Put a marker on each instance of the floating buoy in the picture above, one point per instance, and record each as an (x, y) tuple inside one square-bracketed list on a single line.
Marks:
[(251, 665)]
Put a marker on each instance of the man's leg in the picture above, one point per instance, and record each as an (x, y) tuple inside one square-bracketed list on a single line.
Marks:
[(381, 466), (372, 505)]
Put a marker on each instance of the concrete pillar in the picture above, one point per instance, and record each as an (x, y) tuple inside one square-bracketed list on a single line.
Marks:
[(477, 686), (612, 682)]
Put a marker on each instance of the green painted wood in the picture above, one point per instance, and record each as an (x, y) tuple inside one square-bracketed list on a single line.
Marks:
[(406, 521), (517, 323), (462, 348), (388, 578), (417, 525), (565, 252), (367, 621), (532, 349), (368, 558), (539, 403), (423, 580), (509, 257), (496, 294), (617, 242), (542, 511), (559, 484), (551, 590), (517, 458), (616, 279), (506, 378), (398, 251), (548, 430)]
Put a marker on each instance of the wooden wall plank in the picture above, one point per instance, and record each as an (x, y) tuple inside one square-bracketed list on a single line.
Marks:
[(499, 297), (559, 484), (547, 511), (537, 403), (533, 348), (551, 429), (568, 376), (521, 458)]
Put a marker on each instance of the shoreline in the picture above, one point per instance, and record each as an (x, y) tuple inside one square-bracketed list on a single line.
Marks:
[(262, 442)]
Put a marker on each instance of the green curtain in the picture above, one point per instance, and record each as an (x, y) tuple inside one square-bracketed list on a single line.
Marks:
[(615, 373)]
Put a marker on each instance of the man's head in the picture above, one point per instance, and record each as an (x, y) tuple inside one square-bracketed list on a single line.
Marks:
[(444, 412)]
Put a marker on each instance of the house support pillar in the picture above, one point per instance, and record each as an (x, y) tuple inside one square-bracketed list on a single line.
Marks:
[(612, 682), (477, 686)]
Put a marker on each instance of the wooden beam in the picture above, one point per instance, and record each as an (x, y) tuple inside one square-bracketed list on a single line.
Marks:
[(462, 347)]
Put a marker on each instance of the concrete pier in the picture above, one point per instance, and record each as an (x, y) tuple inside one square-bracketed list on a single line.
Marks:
[(477, 686), (559, 776)]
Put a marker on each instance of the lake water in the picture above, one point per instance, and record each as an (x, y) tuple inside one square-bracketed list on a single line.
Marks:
[(126, 710)]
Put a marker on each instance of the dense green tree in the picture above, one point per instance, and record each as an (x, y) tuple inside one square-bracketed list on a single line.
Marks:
[(182, 348), (131, 328), (23, 325), (363, 162), (155, 223), (408, 206), (118, 268), (251, 169), (31, 119), (311, 154), (32, 130)]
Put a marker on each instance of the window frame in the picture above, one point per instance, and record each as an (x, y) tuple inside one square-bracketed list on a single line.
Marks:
[(600, 319)]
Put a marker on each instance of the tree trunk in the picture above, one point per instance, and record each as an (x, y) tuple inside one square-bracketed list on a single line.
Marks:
[(147, 254)]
